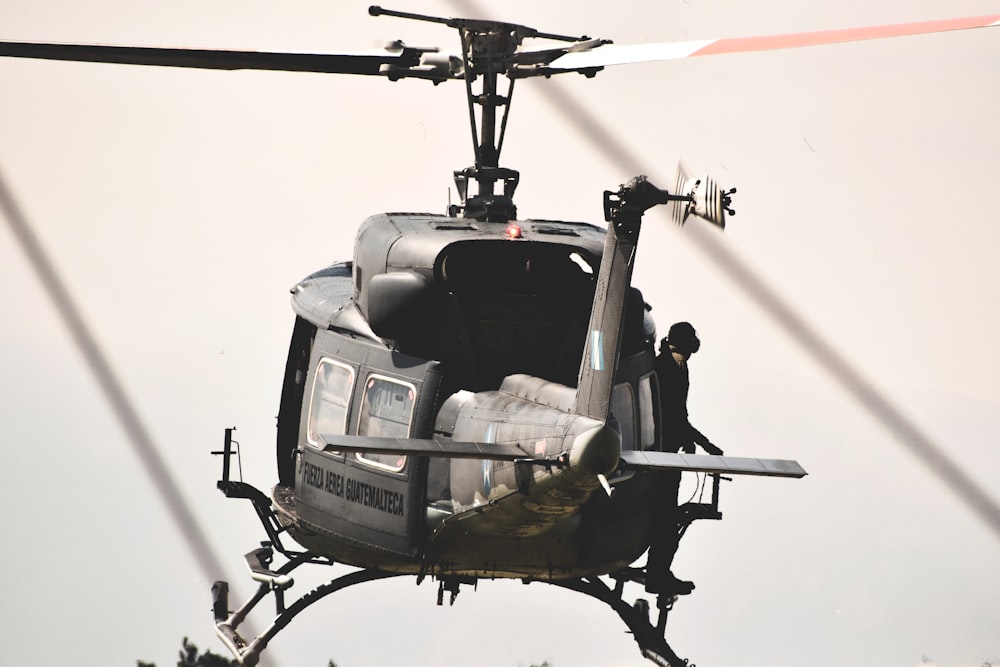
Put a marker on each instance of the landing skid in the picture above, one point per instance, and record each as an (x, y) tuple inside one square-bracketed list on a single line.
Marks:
[(650, 638), (226, 622)]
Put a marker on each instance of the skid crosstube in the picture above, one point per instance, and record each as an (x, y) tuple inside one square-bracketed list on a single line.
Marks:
[(650, 638)]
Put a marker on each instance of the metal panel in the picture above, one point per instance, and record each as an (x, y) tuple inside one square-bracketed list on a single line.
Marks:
[(374, 508), (732, 465), (427, 447)]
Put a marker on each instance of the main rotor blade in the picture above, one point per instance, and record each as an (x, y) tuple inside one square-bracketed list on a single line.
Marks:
[(361, 62), (611, 54)]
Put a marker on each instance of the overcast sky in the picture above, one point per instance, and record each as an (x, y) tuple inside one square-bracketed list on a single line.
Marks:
[(179, 206)]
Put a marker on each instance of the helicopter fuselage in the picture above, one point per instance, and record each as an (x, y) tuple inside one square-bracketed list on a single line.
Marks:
[(467, 331)]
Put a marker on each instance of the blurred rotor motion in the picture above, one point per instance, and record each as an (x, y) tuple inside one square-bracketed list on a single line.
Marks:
[(705, 199), (977, 499), (185, 518), (463, 396)]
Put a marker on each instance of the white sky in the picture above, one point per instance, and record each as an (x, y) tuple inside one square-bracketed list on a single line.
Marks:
[(181, 205)]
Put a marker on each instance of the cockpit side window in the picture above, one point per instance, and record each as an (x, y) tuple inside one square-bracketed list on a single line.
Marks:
[(331, 398), (647, 415), (386, 412), (623, 410)]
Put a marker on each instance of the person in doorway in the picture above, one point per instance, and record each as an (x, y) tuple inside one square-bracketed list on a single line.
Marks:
[(678, 434), (672, 373)]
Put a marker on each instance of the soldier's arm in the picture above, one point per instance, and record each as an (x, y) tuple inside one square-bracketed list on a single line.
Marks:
[(706, 444)]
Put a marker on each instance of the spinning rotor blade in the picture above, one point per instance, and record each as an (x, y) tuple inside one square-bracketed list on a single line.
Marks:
[(185, 517), (638, 53), (361, 62)]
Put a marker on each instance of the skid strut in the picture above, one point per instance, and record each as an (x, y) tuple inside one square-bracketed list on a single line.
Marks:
[(652, 643), (226, 622)]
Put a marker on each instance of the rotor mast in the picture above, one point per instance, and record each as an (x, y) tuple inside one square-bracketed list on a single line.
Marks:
[(485, 52), (489, 51)]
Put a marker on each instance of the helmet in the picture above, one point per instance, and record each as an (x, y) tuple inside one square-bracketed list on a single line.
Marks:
[(683, 337)]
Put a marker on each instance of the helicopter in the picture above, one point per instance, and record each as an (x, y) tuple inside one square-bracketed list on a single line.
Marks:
[(402, 377)]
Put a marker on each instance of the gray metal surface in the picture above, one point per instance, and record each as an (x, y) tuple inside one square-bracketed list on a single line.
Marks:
[(733, 465), (427, 447)]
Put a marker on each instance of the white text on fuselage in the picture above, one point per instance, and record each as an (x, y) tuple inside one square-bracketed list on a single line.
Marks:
[(353, 490)]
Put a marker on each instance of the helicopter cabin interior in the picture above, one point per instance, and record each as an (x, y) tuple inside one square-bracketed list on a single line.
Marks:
[(431, 306)]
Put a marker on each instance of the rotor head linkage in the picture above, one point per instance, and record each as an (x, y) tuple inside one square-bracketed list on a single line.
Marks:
[(477, 25), (633, 199), (700, 197), (704, 199), (490, 49)]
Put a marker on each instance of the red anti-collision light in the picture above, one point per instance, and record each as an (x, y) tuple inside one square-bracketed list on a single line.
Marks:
[(514, 232)]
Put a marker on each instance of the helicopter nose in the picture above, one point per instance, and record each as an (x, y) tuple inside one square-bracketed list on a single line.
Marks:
[(596, 451)]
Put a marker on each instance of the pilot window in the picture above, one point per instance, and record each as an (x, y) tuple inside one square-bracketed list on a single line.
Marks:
[(623, 410), (647, 421), (386, 410), (331, 397)]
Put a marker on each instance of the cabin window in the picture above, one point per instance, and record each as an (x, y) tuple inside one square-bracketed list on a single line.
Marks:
[(623, 410), (331, 397), (386, 411), (647, 420)]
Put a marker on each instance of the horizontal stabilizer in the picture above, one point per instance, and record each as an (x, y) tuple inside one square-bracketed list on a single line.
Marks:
[(732, 465), (428, 447)]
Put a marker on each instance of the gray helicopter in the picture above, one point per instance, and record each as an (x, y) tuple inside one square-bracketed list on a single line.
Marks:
[(475, 395)]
